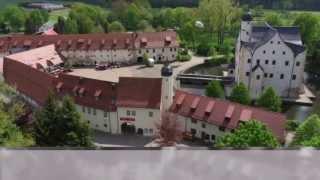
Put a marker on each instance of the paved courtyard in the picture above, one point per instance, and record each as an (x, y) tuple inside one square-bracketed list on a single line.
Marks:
[(112, 75)]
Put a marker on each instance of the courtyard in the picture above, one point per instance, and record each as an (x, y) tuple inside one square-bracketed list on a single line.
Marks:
[(112, 75)]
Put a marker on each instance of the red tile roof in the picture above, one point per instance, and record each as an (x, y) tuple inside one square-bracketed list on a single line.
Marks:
[(20, 71), (88, 92), (91, 41), (139, 92), (216, 111)]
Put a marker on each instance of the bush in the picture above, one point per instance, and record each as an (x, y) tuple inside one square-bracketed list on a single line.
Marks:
[(204, 49), (292, 125), (183, 55)]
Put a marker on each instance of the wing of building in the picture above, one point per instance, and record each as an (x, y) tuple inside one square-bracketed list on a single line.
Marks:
[(209, 118), (270, 56), (90, 49)]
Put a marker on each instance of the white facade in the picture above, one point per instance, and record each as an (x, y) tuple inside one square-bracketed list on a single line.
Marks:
[(269, 63), (201, 129)]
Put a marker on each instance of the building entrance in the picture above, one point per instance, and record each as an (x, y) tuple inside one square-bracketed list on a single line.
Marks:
[(127, 128)]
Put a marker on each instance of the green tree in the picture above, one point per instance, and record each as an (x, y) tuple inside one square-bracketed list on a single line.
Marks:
[(10, 134), (70, 27), (308, 25), (59, 27), (74, 129), (116, 26), (249, 134), (85, 25), (61, 125), (217, 15), (274, 19), (313, 142), (240, 94), (34, 21), (214, 89), (15, 17), (270, 100), (307, 130)]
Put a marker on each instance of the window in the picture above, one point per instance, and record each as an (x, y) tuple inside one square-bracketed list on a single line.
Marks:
[(175, 49), (273, 52), (271, 42), (194, 121), (281, 76), (271, 75), (83, 109), (258, 77), (150, 114), (264, 51), (162, 49), (170, 49), (265, 75), (249, 60), (105, 125), (297, 63), (258, 61), (284, 53), (154, 50), (279, 42), (294, 77), (89, 110), (128, 113), (213, 137), (267, 61), (203, 125), (287, 63), (105, 114), (147, 50), (274, 62), (139, 51), (133, 113), (222, 128), (231, 71), (247, 73), (151, 131), (94, 112), (193, 131), (145, 131)]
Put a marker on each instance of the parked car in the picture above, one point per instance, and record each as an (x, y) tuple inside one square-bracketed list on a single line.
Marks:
[(101, 67)]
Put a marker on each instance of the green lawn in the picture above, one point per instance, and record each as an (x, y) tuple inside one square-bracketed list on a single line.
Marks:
[(55, 14)]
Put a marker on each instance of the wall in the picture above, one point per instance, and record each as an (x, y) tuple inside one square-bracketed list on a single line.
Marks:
[(141, 119)]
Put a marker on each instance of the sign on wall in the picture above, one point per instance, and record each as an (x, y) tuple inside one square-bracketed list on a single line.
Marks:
[(127, 119)]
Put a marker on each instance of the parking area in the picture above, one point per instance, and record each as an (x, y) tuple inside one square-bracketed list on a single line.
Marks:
[(112, 75)]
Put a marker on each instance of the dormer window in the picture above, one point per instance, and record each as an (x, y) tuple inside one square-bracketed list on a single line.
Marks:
[(75, 90), (82, 92), (97, 94), (59, 86)]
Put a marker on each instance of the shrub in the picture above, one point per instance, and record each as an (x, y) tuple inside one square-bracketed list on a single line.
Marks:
[(292, 125)]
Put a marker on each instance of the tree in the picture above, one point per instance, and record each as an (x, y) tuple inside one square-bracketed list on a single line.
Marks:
[(274, 19), (240, 94), (216, 15), (10, 134), (85, 25), (249, 134), (270, 100), (116, 26), (308, 25), (61, 125), (313, 142), (70, 27), (34, 21), (59, 27), (15, 17), (74, 129), (214, 89), (169, 129), (307, 130)]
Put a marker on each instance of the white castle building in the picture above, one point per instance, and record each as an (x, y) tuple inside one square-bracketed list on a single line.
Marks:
[(269, 56)]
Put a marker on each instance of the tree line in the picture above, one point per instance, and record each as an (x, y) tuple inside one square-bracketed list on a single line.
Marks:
[(284, 4)]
